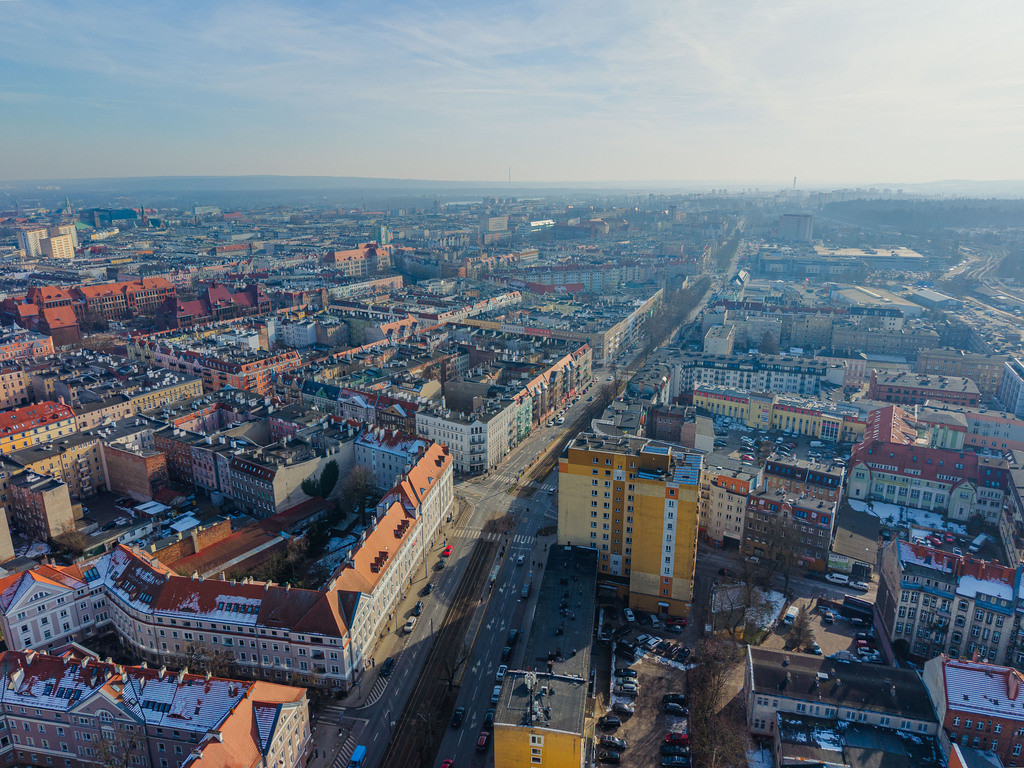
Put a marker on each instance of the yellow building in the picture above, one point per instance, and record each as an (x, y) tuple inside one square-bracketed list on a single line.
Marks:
[(59, 247), (805, 416), (540, 717), (33, 424), (75, 461), (635, 501)]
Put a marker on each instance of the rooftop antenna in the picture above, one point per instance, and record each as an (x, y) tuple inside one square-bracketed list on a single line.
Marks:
[(794, 182), (510, 174)]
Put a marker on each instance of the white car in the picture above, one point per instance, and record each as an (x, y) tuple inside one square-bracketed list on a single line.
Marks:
[(629, 615), (410, 624), (500, 674), (863, 586)]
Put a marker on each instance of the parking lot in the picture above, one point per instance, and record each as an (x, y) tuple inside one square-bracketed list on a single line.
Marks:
[(752, 446), (835, 637), (659, 671)]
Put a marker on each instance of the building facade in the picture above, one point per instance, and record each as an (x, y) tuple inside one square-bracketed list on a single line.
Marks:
[(635, 501)]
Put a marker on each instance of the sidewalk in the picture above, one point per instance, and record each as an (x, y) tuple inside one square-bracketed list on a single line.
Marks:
[(393, 642)]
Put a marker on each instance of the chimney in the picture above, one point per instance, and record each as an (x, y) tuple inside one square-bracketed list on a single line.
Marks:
[(161, 672)]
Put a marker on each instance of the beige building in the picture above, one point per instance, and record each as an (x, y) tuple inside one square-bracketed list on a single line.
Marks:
[(723, 502), (59, 247), (41, 505)]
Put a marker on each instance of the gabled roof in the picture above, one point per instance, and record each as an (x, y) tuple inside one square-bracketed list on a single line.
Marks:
[(983, 689)]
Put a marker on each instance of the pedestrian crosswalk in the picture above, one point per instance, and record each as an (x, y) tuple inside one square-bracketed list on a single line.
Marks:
[(377, 691), (519, 538), (345, 752)]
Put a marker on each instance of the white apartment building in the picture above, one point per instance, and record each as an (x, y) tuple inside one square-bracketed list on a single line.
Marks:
[(272, 632), (388, 453), (479, 441), (723, 502)]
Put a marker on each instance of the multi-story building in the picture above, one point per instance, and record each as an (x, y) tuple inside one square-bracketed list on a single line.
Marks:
[(976, 705), (753, 373), (251, 371), (271, 632), (980, 429), (634, 501), (541, 715), (890, 465), (387, 453), (723, 501), (931, 602), (779, 683), (986, 371), (782, 525), (33, 424), (116, 301), (41, 505), (479, 440), (802, 477), (71, 709), (58, 247), (29, 240), (16, 386), (18, 344), (1011, 387), (821, 420), (76, 460), (919, 388)]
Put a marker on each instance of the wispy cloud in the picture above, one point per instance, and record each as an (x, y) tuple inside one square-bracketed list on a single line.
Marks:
[(729, 89)]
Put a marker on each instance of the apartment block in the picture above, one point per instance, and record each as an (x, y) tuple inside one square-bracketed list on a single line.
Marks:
[(809, 521), (58, 247), (822, 420), (723, 502), (33, 424), (40, 505), (932, 602), (976, 705), (67, 708), (387, 453), (919, 388), (635, 501), (17, 344), (272, 632), (985, 370)]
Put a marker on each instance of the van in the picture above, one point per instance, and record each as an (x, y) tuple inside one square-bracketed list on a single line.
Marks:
[(837, 578), (790, 616), (978, 543), (358, 756)]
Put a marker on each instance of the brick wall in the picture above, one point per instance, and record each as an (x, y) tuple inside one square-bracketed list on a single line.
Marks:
[(133, 474), (193, 541)]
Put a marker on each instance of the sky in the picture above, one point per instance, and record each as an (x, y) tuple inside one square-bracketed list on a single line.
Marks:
[(727, 91)]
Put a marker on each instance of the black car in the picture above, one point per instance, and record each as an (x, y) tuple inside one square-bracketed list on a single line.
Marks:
[(674, 749), (418, 608), (675, 698), (610, 757), (439, 565), (625, 672), (457, 716), (608, 722), (385, 668), (513, 635), (613, 742), (626, 651), (674, 709), (506, 653), (489, 720), (623, 708), (427, 589)]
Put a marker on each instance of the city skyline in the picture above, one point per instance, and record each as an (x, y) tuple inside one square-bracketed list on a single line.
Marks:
[(655, 91)]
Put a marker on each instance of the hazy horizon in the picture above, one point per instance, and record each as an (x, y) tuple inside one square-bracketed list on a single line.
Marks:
[(631, 93)]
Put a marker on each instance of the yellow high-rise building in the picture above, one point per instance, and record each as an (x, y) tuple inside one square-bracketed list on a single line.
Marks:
[(633, 500)]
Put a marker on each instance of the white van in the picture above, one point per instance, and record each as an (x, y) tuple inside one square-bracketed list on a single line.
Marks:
[(837, 578)]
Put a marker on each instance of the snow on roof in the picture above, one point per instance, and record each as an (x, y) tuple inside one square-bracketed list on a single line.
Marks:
[(984, 689), (971, 586)]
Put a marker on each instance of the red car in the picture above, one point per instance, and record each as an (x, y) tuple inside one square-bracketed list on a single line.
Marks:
[(677, 622), (481, 741), (949, 538), (447, 551), (449, 763), (677, 738)]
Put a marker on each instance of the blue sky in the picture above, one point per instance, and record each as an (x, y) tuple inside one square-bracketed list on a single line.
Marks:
[(719, 90)]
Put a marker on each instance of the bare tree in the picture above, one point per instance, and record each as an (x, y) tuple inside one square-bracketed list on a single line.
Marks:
[(717, 737), (71, 540), (452, 664), (201, 658), (361, 491), (781, 539), (119, 747)]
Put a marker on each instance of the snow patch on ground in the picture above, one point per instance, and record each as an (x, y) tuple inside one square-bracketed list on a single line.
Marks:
[(759, 758), (896, 516)]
